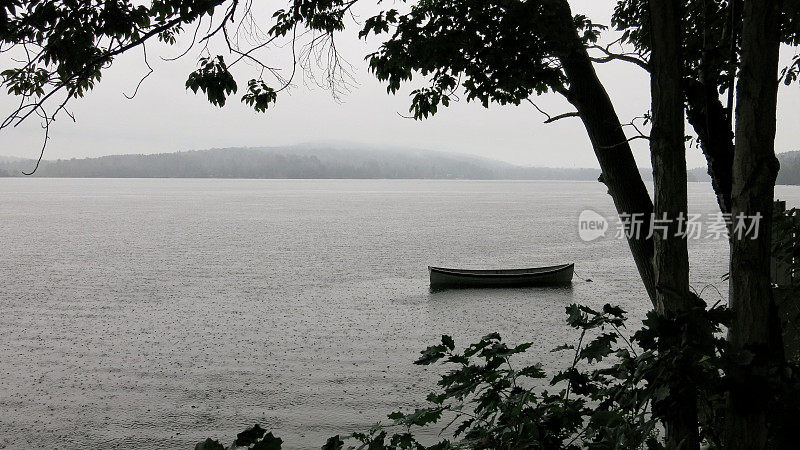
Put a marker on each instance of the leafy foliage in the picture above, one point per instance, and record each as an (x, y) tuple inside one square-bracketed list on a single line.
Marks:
[(75, 41), (786, 241), (250, 436), (615, 393), (214, 79), (790, 73), (259, 96), (710, 40), (63, 47), (499, 51)]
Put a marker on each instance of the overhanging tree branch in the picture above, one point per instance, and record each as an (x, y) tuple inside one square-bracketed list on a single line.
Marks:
[(551, 119), (609, 56)]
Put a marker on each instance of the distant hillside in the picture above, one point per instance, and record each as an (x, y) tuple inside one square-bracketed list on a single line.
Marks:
[(789, 174), (698, 174), (790, 168), (303, 161), (325, 161), (7, 164)]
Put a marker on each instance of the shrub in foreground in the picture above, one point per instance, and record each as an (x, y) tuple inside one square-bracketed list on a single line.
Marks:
[(614, 393)]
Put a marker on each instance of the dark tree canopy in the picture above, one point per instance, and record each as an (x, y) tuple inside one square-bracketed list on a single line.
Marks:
[(500, 51), (56, 51)]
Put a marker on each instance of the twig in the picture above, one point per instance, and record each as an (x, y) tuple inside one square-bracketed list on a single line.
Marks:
[(611, 56), (551, 119), (150, 72)]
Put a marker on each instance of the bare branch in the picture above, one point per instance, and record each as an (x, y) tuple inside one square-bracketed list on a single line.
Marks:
[(551, 119), (563, 116), (46, 127), (150, 72), (626, 141), (609, 56), (639, 133), (236, 27), (188, 49), (102, 59)]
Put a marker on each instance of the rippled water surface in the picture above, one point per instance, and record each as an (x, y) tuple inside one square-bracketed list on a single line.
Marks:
[(155, 313)]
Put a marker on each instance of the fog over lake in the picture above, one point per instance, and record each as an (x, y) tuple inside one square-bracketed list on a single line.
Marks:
[(155, 313)]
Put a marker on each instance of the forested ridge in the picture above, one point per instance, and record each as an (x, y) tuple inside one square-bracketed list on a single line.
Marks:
[(318, 161), (294, 162)]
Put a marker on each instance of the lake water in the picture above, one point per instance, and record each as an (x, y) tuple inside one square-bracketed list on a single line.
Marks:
[(155, 313)]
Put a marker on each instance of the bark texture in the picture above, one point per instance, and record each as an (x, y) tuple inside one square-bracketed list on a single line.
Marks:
[(619, 171), (709, 118), (711, 122), (668, 155), (754, 333)]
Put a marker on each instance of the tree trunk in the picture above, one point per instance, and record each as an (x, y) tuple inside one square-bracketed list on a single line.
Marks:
[(709, 118), (711, 122), (619, 171), (753, 335), (668, 154)]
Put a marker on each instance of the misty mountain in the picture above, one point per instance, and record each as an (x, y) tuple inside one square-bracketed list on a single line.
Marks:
[(301, 161), (789, 173), (697, 174), (790, 168), (326, 161)]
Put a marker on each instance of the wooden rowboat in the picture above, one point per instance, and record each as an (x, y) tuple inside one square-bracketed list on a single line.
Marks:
[(443, 278)]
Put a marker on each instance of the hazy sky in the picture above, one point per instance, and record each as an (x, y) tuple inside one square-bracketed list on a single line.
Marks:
[(164, 117)]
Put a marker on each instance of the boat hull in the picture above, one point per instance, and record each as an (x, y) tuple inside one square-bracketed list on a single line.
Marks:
[(443, 278)]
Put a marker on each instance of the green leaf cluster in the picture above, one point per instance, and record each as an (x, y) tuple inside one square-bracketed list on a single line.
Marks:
[(213, 79), (615, 393), (499, 51)]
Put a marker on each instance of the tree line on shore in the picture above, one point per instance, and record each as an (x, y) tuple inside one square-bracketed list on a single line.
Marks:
[(295, 162), (325, 163)]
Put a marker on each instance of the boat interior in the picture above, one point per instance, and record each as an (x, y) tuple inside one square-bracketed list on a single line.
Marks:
[(531, 270)]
